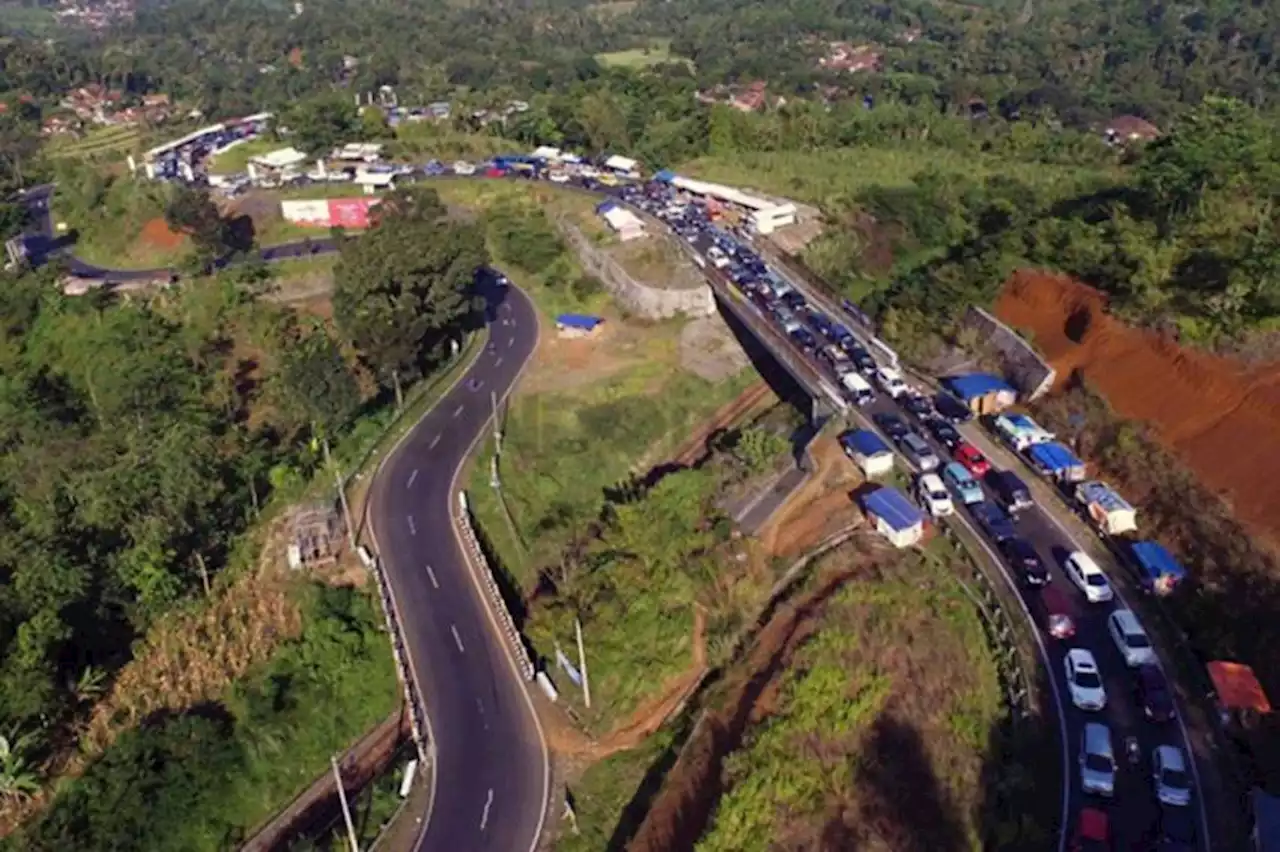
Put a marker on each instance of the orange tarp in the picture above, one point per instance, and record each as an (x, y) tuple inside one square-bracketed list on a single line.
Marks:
[(1238, 687)]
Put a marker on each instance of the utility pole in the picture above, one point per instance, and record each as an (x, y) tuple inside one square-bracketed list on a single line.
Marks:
[(582, 664), (346, 810), (346, 511)]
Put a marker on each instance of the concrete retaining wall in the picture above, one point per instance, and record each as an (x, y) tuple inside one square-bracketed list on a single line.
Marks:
[(1031, 373)]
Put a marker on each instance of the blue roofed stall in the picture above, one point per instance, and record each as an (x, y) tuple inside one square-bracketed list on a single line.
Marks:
[(1055, 460), (868, 451), (665, 176), (982, 393), (896, 518), (578, 325), (1157, 569)]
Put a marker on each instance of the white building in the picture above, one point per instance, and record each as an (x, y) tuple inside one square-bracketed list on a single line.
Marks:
[(770, 219), (624, 166), (627, 225)]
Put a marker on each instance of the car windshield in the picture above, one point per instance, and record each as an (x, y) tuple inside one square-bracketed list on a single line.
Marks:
[(1175, 778), (1088, 679), (1137, 640), (1098, 580), (938, 495), (1098, 763)]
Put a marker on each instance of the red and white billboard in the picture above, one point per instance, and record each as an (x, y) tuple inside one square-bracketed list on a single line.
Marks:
[(328, 213)]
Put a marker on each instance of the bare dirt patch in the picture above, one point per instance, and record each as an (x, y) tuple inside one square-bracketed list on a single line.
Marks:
[(1218, 415), (818, 509), (157, 234), (657, 262), (565, 363), (708, 349)]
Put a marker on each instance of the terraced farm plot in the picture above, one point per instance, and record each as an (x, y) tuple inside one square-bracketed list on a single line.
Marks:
[(100, 142)]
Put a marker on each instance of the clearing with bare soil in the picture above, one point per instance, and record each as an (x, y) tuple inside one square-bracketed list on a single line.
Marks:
[(1216, 414), (157, 234), (818, 509)]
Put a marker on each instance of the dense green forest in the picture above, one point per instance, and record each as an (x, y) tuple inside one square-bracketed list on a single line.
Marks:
[(143, 436)]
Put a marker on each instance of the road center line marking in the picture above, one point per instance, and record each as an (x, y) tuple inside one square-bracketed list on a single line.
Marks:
[(457, 411), (457, 639), (412, 477), (498, 363), (488, 803), (434, 441), (413, 530), (510, 342), (432, 575)]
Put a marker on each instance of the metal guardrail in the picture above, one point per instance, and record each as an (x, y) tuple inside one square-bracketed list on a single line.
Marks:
[(499, 604), (417, 711)]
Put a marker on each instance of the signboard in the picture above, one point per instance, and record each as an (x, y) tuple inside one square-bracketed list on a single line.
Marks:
[(350, 212), (310, 213), (569, 668)]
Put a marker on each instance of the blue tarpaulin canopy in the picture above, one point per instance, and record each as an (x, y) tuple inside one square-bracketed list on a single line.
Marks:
[(606, 206), (582, 321), (666, 176), (863, 443), (890, 506), (976, 385), (1054, 457), (1157, 566)]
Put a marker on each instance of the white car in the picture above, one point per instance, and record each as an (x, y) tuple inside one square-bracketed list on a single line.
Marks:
[(934, 496), (462, 167), (1084, 680), (1172, 778), (1086, 574), (1131, 640), (558, 177), (890, 381)]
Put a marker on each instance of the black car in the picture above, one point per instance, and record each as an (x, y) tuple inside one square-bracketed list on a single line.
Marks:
[(950, 408), (917, 406), (794, 300), (943, 432), (1022, 557), (804, 339), (891, 425), (993, 521), (1176, 830), (1153, 694)]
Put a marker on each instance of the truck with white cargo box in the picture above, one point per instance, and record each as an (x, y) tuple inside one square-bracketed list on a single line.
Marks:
[(1020, 431), (1110, 512)]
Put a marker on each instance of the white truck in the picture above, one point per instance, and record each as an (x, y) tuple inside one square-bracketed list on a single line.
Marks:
[(1110, 512), (856, 388)]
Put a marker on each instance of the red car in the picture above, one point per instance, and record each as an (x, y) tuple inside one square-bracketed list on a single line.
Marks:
[(1093, 833), (969, 456)]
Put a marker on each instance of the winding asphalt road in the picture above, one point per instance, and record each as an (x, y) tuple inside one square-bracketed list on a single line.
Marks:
[(491, 778)]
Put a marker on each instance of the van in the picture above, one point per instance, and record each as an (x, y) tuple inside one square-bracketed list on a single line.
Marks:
[(959, 480), (1011, 491), (857, 389)]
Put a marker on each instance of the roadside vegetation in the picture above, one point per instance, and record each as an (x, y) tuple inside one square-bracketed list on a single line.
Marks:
[(152, 447)]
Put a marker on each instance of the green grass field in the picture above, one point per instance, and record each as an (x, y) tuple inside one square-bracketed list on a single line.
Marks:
[(824, 177), (119, 140), (658, 52), (32, 20)]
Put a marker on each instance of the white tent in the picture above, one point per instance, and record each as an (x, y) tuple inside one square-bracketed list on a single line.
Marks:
[(281, 158), (621, 164)]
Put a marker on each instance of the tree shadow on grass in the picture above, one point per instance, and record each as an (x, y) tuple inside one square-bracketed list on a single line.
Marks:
[(901, 799)]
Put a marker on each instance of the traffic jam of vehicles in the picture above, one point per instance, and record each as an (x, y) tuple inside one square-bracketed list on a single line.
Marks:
[(1121, 720), (1133, 783)]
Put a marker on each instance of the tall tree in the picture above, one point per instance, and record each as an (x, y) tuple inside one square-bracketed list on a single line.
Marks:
[(400, 288), (320, 124)]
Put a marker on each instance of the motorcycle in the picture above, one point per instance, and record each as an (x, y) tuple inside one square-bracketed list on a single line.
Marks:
[(1133, 750)]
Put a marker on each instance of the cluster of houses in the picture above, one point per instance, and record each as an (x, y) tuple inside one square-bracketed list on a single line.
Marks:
[(93, 14), (95, 104)]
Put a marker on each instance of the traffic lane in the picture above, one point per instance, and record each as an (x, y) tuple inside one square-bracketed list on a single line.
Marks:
[(490, 767)]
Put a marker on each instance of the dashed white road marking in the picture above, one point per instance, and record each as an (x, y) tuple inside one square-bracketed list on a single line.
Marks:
[(457, 639), (457, 411), (434, 441), (488, 803), (412, 477), (432, 575), (498, 363), (511, 341), (413, 530)]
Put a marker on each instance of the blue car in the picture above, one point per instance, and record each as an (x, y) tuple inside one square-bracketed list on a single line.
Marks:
[(993, 521)]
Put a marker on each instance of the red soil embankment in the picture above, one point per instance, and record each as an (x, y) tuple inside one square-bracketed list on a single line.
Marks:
[(157, 234), (1221, 418)]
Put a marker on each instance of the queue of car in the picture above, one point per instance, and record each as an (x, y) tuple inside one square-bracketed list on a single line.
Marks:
[(957, 478)]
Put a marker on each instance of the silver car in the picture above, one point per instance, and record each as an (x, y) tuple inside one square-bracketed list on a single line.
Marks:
[(1173, 779), (918, 452), (1097, 760)]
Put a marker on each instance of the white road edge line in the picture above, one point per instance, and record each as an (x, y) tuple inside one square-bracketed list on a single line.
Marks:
[(412, 477), (395, 604), (432, 575), (488, 803), (493, 620), (457, 640)]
